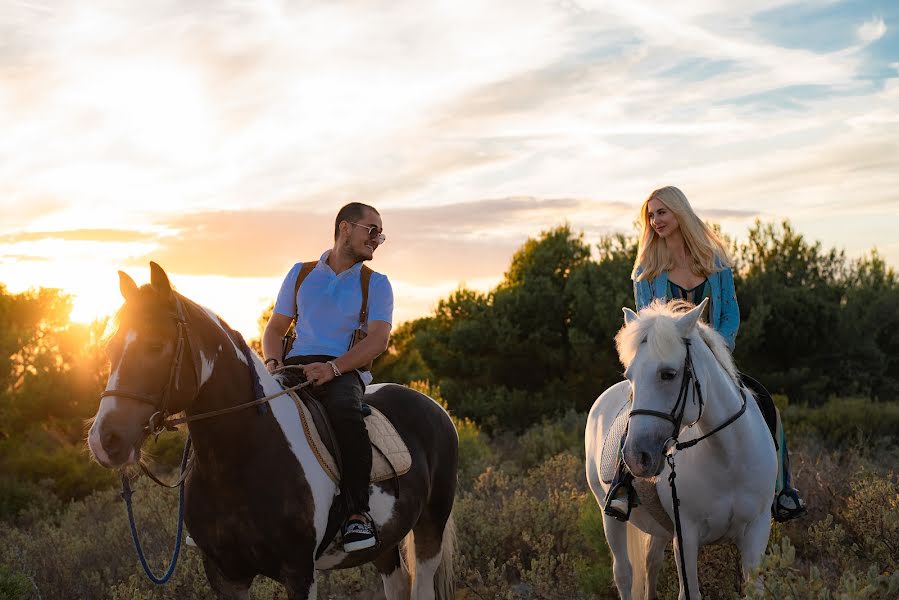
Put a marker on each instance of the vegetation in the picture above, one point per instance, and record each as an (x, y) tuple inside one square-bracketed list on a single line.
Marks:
[(518, 367)]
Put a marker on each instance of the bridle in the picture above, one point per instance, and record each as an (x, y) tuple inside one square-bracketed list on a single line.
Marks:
[(676, 416), (673, 446), (159, 422)]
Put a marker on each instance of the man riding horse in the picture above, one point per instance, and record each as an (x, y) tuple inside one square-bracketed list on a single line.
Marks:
[(343, 313)]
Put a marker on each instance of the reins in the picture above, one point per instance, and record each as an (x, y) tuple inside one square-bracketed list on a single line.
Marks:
[(673, 446), (161, 421)]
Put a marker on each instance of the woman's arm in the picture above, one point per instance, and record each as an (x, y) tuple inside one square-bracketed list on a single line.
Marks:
[(642, 294), (729, 321)]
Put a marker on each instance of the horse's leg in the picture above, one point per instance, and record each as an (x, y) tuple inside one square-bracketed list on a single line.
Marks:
[(394, 574), (434, 541), (752, 546), (616, 536), (655, 558), (300, 580), (690, 544), (224, 588)]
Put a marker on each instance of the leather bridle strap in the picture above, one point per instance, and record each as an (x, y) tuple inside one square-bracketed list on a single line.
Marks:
[(157, 421), (734, 417), (676, 416)]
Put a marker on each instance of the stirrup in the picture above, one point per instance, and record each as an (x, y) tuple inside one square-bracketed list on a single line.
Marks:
[(613, 505), (782, 513)]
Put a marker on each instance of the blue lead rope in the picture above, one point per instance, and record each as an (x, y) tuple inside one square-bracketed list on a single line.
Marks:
[(126, 495)]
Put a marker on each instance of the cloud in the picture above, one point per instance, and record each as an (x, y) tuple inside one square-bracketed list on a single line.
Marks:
[(426, 245), (79, 235), (222, 138), (22, 258), (872, 30)]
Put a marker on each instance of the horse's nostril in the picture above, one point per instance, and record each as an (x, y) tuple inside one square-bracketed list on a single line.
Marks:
[(645, 460), (111, 442)]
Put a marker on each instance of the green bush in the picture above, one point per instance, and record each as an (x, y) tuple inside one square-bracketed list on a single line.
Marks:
[(784, 578), (845, 421), (549, 438), (13, 586)]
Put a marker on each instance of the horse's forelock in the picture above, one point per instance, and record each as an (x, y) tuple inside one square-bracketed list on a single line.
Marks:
[(146, 308), (657, 326)]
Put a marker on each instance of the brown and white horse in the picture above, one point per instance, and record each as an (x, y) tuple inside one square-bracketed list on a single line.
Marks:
[(257, 501)]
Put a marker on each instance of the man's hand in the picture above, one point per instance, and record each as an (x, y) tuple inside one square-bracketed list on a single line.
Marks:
[(318, 373)]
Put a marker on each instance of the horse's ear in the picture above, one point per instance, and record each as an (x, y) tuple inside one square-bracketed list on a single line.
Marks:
[(160, 281), (127, 286), (687, 322), (629, 315)]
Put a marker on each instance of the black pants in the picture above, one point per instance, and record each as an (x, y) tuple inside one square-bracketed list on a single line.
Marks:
[(765, 401), (342, 398), (769, 411)]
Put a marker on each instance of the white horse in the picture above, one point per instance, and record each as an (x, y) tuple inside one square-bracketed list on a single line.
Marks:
[(725, 483)]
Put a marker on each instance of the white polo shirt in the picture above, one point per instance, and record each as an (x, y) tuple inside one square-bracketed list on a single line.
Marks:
[(329, 307)]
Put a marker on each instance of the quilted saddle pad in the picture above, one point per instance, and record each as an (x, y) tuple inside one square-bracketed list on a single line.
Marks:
[(390, 456), (611, 445)]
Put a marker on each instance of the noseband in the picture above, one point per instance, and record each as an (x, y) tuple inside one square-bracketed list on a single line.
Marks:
[(157, 422), (676, 416)]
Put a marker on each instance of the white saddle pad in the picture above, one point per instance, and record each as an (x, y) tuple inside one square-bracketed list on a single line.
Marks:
[(393, 458)]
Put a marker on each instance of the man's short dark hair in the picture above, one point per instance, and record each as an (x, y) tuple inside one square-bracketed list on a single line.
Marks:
[(351, 212)]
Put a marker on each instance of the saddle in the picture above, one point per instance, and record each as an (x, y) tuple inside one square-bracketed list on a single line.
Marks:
[(390, 455)]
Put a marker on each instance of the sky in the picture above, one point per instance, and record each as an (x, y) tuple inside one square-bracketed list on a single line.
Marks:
[(220, 138)]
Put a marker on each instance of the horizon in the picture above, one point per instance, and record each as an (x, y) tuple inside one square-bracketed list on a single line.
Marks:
[(221, 142)]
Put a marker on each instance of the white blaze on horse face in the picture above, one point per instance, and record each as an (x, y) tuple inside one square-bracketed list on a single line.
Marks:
[(288, 418), (113, 382), (108, 404)]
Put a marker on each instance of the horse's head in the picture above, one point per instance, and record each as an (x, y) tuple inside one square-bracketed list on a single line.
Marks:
[(152, 374), (655, 348)]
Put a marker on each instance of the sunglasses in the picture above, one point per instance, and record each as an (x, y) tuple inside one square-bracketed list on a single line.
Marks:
[(374, 234)]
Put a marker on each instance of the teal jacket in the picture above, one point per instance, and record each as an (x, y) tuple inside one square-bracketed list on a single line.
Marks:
[(724, 314)]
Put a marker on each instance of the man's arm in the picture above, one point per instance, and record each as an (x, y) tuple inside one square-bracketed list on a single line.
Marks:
[(271, 338), (357, 356)]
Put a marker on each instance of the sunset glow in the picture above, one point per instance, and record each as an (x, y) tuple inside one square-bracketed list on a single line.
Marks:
[(220, 141)]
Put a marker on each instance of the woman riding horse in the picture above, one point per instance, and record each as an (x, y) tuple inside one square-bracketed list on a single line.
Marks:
[(682, 258)]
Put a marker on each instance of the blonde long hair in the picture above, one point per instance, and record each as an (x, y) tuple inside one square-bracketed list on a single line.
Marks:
[(703, 244)]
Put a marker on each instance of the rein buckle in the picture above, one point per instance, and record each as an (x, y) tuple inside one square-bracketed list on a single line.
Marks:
[(670, 449), (156, 424)]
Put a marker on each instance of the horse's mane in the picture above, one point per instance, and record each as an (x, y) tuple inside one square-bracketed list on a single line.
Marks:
[(656, 327)]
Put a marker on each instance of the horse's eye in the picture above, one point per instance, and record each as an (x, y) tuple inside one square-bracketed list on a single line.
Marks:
[(667, 374)]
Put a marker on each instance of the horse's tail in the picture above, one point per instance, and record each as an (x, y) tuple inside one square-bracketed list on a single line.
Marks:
[(637, 550), (445, 578)]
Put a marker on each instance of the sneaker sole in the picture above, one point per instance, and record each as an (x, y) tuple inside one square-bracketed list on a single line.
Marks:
[(360, 545)]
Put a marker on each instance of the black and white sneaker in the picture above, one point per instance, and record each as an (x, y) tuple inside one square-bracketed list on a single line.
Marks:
[(358, 535)]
